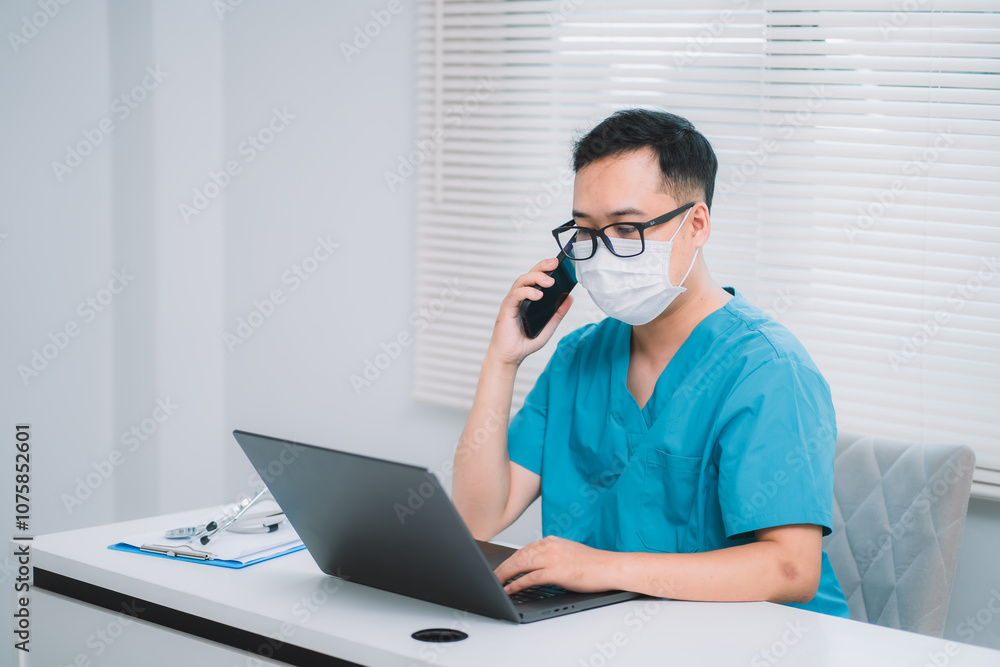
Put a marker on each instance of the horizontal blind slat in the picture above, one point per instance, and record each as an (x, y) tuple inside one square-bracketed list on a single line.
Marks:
[(835, 210)]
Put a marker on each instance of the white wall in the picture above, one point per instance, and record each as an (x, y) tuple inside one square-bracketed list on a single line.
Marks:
[(56, 251), (162, 337), (59, 250), (322, 177), (974, 613)]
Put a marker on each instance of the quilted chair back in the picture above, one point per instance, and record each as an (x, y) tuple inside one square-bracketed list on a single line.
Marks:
[(898, 515)]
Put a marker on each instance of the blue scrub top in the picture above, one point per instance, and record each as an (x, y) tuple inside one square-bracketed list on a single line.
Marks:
[(738, 435)]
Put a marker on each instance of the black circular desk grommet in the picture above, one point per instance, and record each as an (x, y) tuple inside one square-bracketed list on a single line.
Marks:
[(439, 635)]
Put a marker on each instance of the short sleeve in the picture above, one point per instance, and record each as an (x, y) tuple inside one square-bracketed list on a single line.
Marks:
[(527, 429), (776, 448), (526, 434)]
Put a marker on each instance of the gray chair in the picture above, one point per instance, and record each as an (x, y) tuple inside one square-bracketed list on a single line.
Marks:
[(898, 515)]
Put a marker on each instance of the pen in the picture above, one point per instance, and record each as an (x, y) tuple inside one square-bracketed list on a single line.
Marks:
[(177, 552)]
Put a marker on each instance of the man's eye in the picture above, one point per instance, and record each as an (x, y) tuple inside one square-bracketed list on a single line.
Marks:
[(625, 231), (583, 234)]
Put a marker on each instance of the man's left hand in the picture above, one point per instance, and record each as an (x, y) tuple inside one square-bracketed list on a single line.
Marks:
[(554, 560)]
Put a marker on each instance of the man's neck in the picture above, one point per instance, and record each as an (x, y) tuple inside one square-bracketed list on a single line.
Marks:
[(661, 338)]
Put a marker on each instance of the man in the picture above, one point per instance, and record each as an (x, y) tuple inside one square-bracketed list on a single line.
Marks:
[(683, 447)]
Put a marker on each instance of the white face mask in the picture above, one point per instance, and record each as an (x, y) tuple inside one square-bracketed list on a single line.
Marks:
[(637, 289)]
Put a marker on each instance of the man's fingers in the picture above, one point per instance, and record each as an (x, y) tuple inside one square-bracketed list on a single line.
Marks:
[(546, 265), (527, 581), (524, 287), (508, 568), (519, 294), (527, 292), (535, 278), (518, 562)]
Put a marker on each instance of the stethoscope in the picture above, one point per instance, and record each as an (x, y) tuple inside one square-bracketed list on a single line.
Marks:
[(267, 523)]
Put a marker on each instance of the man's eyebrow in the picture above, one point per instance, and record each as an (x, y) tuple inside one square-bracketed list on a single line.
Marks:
[(614, 214)]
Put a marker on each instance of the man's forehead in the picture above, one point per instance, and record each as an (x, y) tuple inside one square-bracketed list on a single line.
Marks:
[(617, 200), (625, 210)]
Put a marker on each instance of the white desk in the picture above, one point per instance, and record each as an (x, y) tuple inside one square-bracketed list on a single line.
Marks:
[(319, 620)]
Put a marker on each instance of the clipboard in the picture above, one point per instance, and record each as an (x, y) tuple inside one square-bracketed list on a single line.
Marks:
[(230, 550)]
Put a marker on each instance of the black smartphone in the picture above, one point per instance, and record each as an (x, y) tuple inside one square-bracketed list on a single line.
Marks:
[(536, 314)]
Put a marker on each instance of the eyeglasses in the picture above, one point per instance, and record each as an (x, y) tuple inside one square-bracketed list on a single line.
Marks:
[(624, 239)]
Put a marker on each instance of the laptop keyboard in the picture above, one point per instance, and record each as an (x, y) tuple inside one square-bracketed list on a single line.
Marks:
[(539, 592)]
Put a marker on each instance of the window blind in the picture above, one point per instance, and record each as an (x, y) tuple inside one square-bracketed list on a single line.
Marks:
[(859, 149)]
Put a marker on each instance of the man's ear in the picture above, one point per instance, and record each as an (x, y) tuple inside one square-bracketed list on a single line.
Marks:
[(701, 224)]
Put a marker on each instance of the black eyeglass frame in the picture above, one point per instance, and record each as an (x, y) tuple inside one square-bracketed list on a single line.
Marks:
[(599, 233)]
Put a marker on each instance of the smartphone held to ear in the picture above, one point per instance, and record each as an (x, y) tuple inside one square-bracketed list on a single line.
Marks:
[(536, 314)]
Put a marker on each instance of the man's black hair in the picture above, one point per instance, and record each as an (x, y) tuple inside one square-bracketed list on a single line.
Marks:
[(687, 161)]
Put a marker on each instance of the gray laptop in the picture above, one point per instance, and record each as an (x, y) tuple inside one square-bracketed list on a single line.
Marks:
[(391, 526)]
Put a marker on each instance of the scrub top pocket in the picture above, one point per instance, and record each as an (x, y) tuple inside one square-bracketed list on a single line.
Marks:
[(669, 491)]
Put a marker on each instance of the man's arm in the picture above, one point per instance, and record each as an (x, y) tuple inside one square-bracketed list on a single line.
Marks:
[(488, 489), (783, 565)]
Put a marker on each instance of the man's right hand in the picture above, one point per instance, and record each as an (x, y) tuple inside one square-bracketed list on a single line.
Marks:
[(509, 345)]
